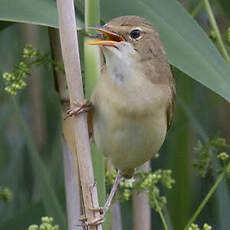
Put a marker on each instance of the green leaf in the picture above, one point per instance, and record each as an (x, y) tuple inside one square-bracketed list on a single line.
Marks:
[(42, 12), (187, 45)]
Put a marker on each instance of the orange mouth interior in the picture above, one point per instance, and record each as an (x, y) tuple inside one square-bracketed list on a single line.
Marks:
[(111, 38)]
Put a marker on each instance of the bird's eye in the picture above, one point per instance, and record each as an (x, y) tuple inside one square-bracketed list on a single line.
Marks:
[(135, 34)]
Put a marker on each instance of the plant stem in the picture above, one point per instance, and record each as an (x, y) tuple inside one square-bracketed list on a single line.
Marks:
[(91, 53), (92, 73), (140, 205), (197, 9), (217, 31), (206, 199), (92, 13), (70, 53), (71, 169), (161, 215)]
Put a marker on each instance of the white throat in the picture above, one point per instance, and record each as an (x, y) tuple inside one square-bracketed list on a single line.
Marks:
[(121, 62)]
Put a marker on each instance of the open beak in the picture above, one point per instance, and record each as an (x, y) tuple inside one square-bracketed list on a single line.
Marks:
[(111, 39)]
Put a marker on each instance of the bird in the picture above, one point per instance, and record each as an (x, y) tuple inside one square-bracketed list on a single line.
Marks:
[(135, 96)]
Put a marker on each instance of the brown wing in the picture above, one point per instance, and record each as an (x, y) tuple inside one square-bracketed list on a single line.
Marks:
[(172, 105), (163, 76), (158, 71)]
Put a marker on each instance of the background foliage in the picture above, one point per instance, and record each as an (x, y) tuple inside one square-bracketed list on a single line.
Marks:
[(30, 148)]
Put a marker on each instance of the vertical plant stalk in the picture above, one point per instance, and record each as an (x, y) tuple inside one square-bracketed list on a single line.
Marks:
[(92, 61), (92, 13), (72, 184), (116, 218), (70, 53), (92, 72), (141, 208), (206, 199), (92, 67), (30, 34), (216, 30), (71, 188)]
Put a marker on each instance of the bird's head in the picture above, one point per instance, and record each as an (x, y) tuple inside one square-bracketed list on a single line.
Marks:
[(131, 42), (130, 35)]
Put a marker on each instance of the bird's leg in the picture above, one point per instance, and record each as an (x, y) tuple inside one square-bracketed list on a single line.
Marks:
[(79, 108), (112, 192), (103, 210)]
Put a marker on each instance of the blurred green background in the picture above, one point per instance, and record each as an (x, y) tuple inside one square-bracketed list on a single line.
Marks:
[(31, 163)]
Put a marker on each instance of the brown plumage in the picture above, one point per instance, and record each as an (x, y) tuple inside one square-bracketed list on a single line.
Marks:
[(134, 99), (152, 53)]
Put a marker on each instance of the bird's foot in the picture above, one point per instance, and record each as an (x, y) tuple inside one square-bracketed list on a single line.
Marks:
[(96, 221), (99, 219), (79, 108)]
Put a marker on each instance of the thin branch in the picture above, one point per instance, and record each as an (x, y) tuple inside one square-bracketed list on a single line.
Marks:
[(217, 31), (197, 9), (206, 199), (70, 53), (161, 215)]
